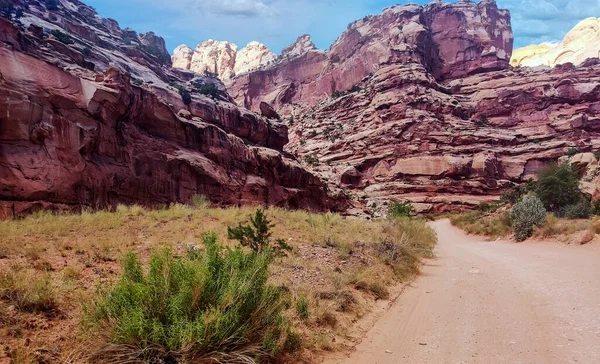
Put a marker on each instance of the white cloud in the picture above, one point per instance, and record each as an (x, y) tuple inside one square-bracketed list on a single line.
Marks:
[(538, 21), (245, 8)]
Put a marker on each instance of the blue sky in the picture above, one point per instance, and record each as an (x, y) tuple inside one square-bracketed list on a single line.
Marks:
[(277, 23)]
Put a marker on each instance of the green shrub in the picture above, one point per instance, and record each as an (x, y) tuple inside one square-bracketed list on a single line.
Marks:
[(572, 151), (207, 89), (580, 210), (62, 37), (489, 208), (207, 73), (217, 306), (514, 194), (186, 97), (303, 308), (86, 51), (558, 187), (200, 202), (482, 121), (311, 160), (597, 154), (596, 207), (257, 235), (526, 214), (400, 209)]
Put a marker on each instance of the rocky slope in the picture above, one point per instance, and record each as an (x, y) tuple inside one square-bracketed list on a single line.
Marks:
[(449, 40), (420, 104), (92, 116), (222, 58), (580, 44)]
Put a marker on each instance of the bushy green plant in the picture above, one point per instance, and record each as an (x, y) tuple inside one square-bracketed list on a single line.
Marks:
[(400, 209), (526, 214), (257, 235), (207, 89), (596, 207), (186, 97), (216, 306), (311, 160), (62, 37), (207, 73), (86, 51), (579, 210), (558, 187), (482, 121), (488, 208), (572, 151), (200, 202), (303, 308)]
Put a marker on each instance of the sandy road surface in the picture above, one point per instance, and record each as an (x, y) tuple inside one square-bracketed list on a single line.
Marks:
[(492, 302)]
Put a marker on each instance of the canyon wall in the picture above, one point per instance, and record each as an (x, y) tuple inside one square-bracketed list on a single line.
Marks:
[(92, 116)]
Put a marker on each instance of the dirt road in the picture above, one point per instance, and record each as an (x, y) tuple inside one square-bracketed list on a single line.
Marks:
[(490, 303)]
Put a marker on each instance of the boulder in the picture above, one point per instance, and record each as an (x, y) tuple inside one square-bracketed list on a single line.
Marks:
[(267, 111)]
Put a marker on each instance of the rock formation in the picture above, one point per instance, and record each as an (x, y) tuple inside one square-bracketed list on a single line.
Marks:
[(446, 146), (580, 44), (420, 104), (450, 40), (89, 117), (301, 46), (222, 58), (253, 56)]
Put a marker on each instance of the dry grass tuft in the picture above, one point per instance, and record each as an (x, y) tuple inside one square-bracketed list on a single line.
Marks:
[(72, 254), (495, 225)]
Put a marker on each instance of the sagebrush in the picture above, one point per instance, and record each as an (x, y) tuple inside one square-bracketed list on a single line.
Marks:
[(184, 310), (526, 214)]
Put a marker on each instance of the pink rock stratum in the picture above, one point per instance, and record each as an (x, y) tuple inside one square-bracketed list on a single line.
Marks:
[(97, 123)]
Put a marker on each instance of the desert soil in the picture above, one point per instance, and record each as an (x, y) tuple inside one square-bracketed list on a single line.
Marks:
[(492, 302)]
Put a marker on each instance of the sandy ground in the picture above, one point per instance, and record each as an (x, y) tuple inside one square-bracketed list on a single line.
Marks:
[(492, 302)]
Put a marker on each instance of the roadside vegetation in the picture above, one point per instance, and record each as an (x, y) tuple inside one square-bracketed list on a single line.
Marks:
[(553, 205), (195, 283)]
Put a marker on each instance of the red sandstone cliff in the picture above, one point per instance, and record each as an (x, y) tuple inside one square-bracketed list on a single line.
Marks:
[(426, 107), (90, 116), (449, 40)]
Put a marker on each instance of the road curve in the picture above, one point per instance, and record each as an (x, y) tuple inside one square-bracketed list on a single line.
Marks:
[(491, 303)]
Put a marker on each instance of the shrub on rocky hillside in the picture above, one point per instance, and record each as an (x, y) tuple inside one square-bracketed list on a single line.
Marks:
[(214, 307), (207, 89), (257, 235), (526, 214), (558, 189), (579, 210), (62, 37), (401, 209)]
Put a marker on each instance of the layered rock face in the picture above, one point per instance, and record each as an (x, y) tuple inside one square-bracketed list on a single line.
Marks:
[(96, 120), (447, 146), (427, 108), (580, 44), (302, 45), (449, 40), (222, 58)]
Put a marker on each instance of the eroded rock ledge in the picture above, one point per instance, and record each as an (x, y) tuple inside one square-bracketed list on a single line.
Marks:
[(100, 121)]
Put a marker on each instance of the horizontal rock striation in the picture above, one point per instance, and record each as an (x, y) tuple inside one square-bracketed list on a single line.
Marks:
[(449, 40), (446, 146), (90, 117)]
